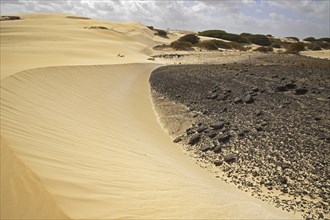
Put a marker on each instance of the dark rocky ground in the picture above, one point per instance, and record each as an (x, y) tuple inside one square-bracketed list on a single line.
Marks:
[(264, 123)]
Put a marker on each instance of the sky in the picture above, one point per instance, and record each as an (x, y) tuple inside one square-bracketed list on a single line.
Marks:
[(280, 18)]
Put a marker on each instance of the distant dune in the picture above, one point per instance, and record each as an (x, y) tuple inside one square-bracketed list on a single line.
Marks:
[(79, 137)]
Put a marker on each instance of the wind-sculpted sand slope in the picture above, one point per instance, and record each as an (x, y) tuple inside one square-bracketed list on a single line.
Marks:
[(41, 40), (91, 136)]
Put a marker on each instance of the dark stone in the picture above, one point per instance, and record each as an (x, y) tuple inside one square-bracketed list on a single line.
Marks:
[(178, 139), (201, 128), (248, 99), (285, 190), (217, 149), (283, 180), (241, 134), (224, 138), (301, 91), (264, 123), (212, 134), (280, 89), (218, 125), (257, 113), (224, 110), (205, 148), (230, 158), (285, 166), (237, 100), (290, 85), (213, 96), (194, 139), (258, 128), (218, 162), (255, 89)]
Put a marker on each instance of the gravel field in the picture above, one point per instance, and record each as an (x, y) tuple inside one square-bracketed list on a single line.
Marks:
[(262, 124)]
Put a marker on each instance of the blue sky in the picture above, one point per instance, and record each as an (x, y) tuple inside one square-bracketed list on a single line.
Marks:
[(301, 18)]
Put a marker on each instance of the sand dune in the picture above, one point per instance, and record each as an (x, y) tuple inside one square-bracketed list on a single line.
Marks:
[(82, 141), (91, 135), (40, 40)]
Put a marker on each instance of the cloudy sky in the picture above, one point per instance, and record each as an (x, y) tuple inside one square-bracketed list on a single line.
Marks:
[(301, 18)]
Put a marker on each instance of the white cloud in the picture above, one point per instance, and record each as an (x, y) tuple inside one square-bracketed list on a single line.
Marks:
[(233, 16)]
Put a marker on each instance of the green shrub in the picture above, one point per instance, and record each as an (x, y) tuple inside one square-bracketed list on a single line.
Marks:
[(212, 33), (191, 38), (314, 46), (295, 47), (208, 45), (150, 27), (276, 45), (223, 35), (293, 38), (222, 44), (326, 39), (264, 49), (310, 39), (259, 39), (237, 46), (181, 45), (161, 32)]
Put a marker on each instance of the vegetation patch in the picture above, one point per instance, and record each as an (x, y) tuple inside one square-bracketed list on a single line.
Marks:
[(9, 18), (208, 45), (161, 33), (191, 38), (259, 39), (98, 27), (293, 38), (181, 45), (264, 49), (295, 47), (223, 35), (310, 39), (276, 45)]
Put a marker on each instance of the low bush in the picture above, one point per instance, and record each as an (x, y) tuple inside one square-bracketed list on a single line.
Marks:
[(276, 45), (222, 44), (223, 35), (293, 38), (310, 39), (191, 38), (237, 46), (314, 46), (295, 47), (161, 33), (259, 39), (264, 49), (326, 39), (181, 45), (212, 33), (208, 45)]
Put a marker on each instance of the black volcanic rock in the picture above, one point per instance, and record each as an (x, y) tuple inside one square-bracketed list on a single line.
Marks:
[(224, 138), (218, 125), (290, 151), (194, 139), (301, 91), (230, 158)]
